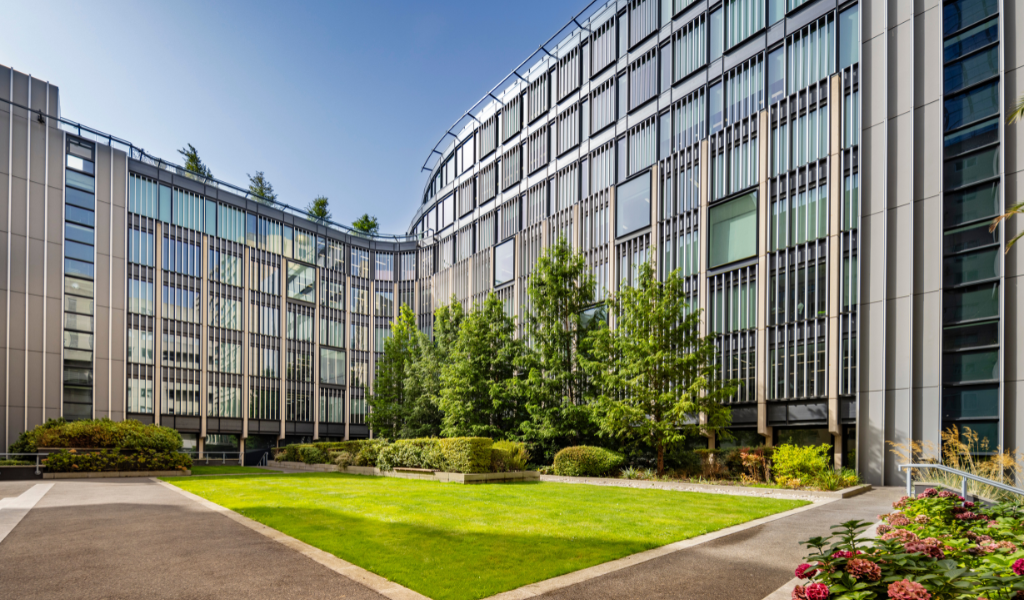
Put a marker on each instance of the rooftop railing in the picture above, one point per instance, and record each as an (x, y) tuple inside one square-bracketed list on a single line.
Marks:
[(141, 155)]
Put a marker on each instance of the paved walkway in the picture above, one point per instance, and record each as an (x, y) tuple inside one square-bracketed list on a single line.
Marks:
[(744, 566), (132, 538)]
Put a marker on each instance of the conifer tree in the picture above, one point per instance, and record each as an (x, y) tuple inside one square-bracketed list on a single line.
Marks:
[(318, 209), (193, 162), (261, 187)]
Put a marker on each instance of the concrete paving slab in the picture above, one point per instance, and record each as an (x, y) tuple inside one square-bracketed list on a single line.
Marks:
[(132, 538)]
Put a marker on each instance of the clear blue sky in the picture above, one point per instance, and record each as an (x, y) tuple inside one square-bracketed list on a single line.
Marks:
[(343, 99)]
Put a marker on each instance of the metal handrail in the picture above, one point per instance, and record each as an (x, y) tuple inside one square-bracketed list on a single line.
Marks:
[(964, 478), (141, 155), (213, 455), (38, 455)]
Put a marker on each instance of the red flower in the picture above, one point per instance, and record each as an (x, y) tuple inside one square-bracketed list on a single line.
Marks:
[(908, 590), (1018, 566), (860, 568), (805, 571), (816, 591)]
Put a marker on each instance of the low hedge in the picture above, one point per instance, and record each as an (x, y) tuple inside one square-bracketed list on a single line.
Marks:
[(422, 453), (467, 454), (509, 456), (455, 455), (68, 461), (98, 433), (586, 461), (364, 452)]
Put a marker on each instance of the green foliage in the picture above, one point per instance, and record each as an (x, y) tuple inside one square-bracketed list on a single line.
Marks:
[(804, 463), (467, 454), (509, 456), (389, 402), (424, 453), (261, 187), (557, 388), (15, 463), (67, 461), (344, 459), (317, 209), (311, 455), (657, 377), (98, 433), (366, 224), (363, 452), (478, 395), (586, 461), (193, 163)]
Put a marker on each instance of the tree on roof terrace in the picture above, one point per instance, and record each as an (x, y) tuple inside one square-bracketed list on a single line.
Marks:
[(260, 187), (193, 162)]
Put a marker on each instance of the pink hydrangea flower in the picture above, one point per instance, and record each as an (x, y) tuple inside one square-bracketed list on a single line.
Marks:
[(900, 535), (898, 520), (883, 529), (992, 524), (861, 568), (798, 593), (1018, 566), (901, 503), (945, 494), (928, 493), (990, 547), (816, 591), (805, 571), (921, 519), (908, 590), (845, 553), (928, 546), (968, 505)]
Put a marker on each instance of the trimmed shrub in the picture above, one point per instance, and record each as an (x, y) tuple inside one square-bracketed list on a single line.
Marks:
[(467, 454), (311, 455), (801, 465), (509, 456), (68, 461), (344, 459), (98, 433), (586, 461), (421, 453)]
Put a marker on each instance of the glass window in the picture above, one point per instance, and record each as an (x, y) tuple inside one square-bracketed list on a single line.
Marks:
[(733, 230), (633, 205), (715, 106), (165, 204), (776, 74), (665, 134), (849, 37), (78, 215), (974, 401), (973, 303), (970, 40), (967, 268), (301, 282), (716, 35), (972, 106), (80, 234), (963, 367), (971, 168), (78, 287), (972, 137), (961, 13), (77, 251), (970, 205), (504, 263), (970, 336), (332, 366), (78, 305), (78, 268), (968, 238), (776, 11), (80, 181), (971, 70), (80, 198)]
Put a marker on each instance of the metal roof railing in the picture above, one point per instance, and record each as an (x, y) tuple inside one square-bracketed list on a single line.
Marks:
[(964, 478), (141, 155)]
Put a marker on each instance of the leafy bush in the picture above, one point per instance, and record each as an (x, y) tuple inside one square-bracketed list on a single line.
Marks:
[(311, 455), (423, 453), (509, 456), (344, 459), (366, 452), (467, 454), (933, 546), (805, 464), (114, 460), (15, 463), (586, 461), (98, 433)]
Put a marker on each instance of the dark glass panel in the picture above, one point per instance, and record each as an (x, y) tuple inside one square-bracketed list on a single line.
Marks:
[(974, 303), (970, 40), (972, 137), (971, 70), (967, 268), (970, 336), (967, 238), (974, 105), (961, 13), (970, 205)]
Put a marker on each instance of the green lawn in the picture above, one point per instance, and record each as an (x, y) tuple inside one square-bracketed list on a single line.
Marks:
[(460, 542), (231, 470)]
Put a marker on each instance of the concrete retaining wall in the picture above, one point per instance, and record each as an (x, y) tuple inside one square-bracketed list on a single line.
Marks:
[(464, 478)]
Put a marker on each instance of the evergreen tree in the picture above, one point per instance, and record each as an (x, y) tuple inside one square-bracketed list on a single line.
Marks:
[(477, 396), (557, 388), (366, 224), (318, 210), (389, 402), (260, 187), (657, 376), (193, 162)]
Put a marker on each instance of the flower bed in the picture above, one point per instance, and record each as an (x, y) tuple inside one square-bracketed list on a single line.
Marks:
[(933, 547)]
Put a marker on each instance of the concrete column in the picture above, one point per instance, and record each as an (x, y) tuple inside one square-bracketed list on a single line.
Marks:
[(283, 342), (157, 312), (835, 264), (761, 350)]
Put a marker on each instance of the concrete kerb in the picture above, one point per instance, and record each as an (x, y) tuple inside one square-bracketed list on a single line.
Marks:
[(732, 490), (786, 591), (360, 575)]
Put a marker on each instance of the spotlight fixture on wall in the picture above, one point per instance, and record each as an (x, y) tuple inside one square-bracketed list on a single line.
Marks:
[(39, 117)]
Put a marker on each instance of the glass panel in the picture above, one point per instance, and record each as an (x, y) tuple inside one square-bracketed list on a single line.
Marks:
[(165, 204), (776, 11), (79, 215), (967, 268), (972, 106), (77, 341), (974, 303), (301, 282), (78, 305), (78, 287), (776, 74), (733, 234), (78, 148), (849, 37), (78, 251), (75, 267), (715, 107), (80, 181), (633, 205), (970, 366), (980, 401), (970, 205), (971, 70), (716, 34), (971, 169), (961, 13), (77, 322), (504, 263), (967, 238), (972, 137), (970, 40), (80, 198), (78, 233), (73, 376), (970, 336)]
